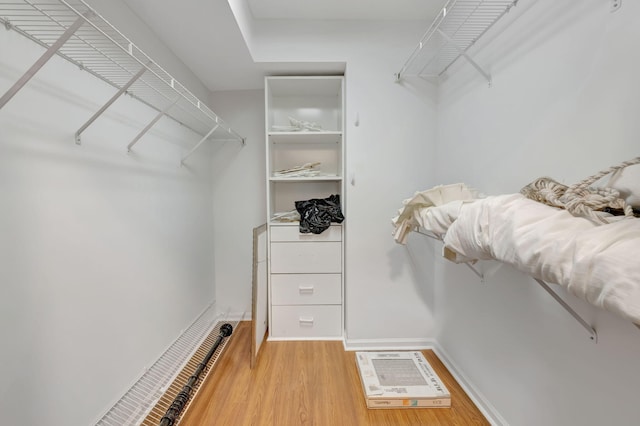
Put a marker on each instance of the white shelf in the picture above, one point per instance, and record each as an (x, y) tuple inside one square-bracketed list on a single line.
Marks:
[(305, 137), (307, 179), (457, 27), (278, 223), (76, 32), (296, 223)]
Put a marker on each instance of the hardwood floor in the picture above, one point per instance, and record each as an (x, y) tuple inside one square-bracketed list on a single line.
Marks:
[(307, 383)]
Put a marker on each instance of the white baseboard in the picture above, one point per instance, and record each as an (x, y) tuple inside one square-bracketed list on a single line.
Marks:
[(236, 316), (387, 344), (487, 409)]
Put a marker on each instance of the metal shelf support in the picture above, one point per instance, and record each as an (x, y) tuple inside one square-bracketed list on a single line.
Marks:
[(592, 333), (475, 271), (593, 336), (150, 125), (464, 54), (198, 144), (41, 61), (467, 264), (109, 102)]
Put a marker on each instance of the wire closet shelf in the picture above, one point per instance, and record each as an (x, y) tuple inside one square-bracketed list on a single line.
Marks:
[(452, 33), (76, 32)]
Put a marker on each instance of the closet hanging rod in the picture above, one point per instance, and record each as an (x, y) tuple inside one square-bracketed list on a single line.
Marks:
[(102, 50)]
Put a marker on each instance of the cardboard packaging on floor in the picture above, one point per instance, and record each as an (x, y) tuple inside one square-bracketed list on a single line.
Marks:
[(400, 380)]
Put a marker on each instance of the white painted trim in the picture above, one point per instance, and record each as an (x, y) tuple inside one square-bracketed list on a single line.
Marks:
[(236, 316), (301, 339), (487, 409), (387, 344)]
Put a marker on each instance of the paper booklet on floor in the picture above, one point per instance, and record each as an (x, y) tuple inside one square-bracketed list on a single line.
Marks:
[(400, 380)]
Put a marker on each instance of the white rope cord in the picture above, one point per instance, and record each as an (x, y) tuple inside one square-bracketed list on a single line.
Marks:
[(581, 199)]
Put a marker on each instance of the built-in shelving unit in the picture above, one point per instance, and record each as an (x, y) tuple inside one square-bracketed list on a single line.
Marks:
[(304, 130), (452, 33), (76, 32)]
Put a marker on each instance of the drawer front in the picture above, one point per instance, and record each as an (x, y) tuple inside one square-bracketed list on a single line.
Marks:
[(291, 233), (306, 321), (306, 289), (316, 257)]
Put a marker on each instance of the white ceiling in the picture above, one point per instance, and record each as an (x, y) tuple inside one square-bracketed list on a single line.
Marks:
[(343, 9), (204, 34)]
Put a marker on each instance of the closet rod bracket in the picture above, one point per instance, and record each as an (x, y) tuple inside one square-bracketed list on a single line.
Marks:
[(592, 333)]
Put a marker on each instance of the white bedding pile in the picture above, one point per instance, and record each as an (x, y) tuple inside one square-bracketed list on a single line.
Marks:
[(450, 197), (600, 264)]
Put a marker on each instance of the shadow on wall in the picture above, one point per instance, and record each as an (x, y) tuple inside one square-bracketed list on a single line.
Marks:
[(417, 255)]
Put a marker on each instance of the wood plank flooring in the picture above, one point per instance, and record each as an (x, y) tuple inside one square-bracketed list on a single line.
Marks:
[(307, 383)]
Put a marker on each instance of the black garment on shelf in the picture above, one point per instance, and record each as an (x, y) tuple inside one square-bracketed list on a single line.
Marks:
[(317, 214)]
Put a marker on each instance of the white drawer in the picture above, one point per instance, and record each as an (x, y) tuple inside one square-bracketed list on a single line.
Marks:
[(306, 289), (316, 257), (292, 233), (306, 321)]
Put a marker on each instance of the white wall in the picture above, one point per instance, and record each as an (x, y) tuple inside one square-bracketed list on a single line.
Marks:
[(388, 158), (564, 103), (239, 199), (104, 256)]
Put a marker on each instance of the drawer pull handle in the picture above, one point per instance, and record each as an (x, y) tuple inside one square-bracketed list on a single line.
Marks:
[(305, 289), (306, 321)]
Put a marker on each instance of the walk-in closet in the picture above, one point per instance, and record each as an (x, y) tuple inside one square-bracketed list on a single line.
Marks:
[(210, 207)]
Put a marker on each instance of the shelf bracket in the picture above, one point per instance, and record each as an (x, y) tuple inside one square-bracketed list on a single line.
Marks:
[(109, 102), (475, 271), (467, 264), (199, 143), (435, 237), (592, 333), (41, 61), (464, 54), (593, 336), (237, 137), (150, 125)]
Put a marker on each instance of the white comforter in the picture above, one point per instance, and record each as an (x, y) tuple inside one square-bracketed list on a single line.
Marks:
[(600, 264)]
